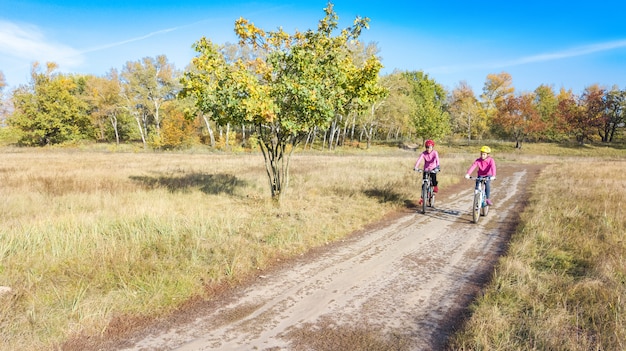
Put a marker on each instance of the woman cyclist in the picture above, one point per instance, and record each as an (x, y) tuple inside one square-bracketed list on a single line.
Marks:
[(486, 168), (431, 162)]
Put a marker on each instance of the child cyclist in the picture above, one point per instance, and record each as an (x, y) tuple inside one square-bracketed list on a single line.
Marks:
[(431, 162), (486, 168)]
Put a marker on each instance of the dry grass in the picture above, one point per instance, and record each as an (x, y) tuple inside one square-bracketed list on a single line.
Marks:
[(562, 285), (90, 236)]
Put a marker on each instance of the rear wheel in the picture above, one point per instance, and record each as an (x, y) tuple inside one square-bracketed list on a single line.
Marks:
[(476, 207)]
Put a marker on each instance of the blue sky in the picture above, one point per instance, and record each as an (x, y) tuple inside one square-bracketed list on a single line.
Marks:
[(570, 45)]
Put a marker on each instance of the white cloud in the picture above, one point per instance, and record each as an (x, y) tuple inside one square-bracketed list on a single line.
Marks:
[(574, 52), (107, 46), (559, 55), (27, 42)]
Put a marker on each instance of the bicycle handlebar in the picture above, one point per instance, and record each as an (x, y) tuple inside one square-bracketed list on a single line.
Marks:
[(481, 178), (434, 171)]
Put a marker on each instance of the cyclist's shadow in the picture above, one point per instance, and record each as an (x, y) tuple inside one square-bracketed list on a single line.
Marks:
[(445, 213)]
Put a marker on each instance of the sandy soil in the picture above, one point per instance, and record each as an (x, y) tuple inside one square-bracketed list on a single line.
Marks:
[(401, 284)]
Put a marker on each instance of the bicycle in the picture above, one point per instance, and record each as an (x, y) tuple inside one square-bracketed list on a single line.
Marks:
[(428, 193), (479, 206)]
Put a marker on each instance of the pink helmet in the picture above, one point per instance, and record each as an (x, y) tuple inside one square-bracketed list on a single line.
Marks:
[(429, 142)]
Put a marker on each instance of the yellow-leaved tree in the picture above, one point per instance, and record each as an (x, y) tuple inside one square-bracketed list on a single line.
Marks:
[(495, 91), (291, 84)]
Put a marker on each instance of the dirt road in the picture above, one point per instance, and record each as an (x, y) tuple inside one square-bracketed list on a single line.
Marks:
[(404, 284)]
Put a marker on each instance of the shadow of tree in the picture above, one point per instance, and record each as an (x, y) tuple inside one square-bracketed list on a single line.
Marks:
[(410, 204), (207, 183), (383, 195)]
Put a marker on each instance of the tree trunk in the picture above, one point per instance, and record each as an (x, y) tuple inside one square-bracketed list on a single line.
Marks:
[(277, 164), (157, 117), (313, 137), (343, 136), (469, 129), (210, 130), (331, 134), (141, 130), (113, 119), (309, 138), (144, 121), (613, 129), (227, 146), (353, 127)]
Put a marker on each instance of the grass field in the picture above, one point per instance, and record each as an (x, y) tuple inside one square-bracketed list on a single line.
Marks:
[(90, 236), (562, 285)]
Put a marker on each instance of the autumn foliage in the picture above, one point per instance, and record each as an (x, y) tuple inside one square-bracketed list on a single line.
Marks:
[(519, 118)]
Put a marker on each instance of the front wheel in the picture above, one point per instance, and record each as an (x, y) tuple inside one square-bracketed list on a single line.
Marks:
[(424, 197), (476, 207), (431, 198), (484, 210)]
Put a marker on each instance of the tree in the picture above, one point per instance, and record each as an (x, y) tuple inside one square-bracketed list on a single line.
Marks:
[(465, 112), (146, 85), (575, 114), (104, 94), (518, 117), (359, 54), (178, 130), (392, 112), (430, 118), (615, 113), (546, 103), (594, 115), (50, 111), (496, 89), (296, 83)]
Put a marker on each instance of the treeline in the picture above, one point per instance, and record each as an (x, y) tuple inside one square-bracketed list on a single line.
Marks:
[(142, 104)]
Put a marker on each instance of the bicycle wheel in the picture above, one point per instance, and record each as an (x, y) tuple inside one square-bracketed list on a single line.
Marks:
[(476, 207), (484, 209), (424, 197), (431, 197)]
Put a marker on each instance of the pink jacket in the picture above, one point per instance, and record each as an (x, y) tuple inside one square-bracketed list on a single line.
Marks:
[(431, 160), (486, 167)]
